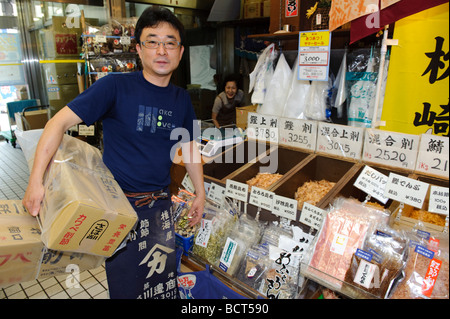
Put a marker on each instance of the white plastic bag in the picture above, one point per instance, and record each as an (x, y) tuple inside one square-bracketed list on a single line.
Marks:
[(277, 92), (341, 90), (316, 101), (262, 74), (295, 103)]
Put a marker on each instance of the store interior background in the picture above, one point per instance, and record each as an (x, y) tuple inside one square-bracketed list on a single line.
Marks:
[(217, 43)]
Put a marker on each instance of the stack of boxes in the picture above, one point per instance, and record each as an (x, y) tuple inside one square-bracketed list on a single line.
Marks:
[(84, 218)]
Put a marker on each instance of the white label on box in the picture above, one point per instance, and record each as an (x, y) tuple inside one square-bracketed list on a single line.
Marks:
[(433, 155), (406, 190), (262, 127), (373, 183), (439, 200), (85, 130), (261, 198), (339, 244), (300, 134), (203, 233), (312, 215), (391, 148), (216, 193), (285, 207), (340, 140), (236, 190)]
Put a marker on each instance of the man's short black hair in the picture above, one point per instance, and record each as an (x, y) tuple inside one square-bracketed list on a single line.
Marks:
[(152, 16)]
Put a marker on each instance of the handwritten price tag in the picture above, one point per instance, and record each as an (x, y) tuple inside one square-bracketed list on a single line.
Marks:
[(300, 134), (433, 155), (340, 140), (406, 190), (390, 148)]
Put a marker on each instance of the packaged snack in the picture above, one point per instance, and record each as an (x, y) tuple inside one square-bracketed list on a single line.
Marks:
[(426, 274), (377, 265), (246, 232)]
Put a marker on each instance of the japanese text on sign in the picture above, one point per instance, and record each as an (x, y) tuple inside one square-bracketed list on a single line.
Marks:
[(373, 183), (262, 127), (291, 8), (314, 55), (433, 155), (406, 190), (340, 140), (390, 148), (236, 190), (285, 207), (298, 133), (312, 215)]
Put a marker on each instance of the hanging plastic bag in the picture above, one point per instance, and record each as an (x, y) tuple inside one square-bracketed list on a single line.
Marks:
[(261, 75), (295, 103), (316, 101), (275, 98), (362, 94), (340, 95)]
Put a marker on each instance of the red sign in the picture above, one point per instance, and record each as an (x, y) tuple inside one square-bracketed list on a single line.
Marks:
[(66, 43), (291, 8)]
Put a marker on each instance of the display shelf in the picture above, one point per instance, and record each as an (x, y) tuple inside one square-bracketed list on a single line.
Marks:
[(341, 287)]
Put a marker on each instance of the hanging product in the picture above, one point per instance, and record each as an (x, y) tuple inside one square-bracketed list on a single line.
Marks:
[(340, 86), (362, 94), (262, 74), (276, 94), (295, 103)]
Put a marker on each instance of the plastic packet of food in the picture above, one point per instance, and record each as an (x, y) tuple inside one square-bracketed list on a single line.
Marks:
[(426, 274), (253, 266), (377, 265), (212, 232), (246, 232)]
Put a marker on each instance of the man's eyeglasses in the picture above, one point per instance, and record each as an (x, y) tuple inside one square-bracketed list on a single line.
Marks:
[(153, 44)]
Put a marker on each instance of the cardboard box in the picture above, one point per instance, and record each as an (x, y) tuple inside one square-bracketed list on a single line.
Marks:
[(23, 256), (242, 115), (20, 244), (31, 120), (84, 211)]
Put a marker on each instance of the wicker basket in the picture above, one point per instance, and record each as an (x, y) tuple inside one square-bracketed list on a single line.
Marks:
[(323, 19)]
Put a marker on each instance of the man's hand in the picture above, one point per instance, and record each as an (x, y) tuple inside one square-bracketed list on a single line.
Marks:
[(33, 198)]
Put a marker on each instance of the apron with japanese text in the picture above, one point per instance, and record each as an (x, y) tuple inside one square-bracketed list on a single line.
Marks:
[(146, 267)]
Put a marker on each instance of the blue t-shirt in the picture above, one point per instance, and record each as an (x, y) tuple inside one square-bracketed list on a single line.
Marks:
[(138, 118)]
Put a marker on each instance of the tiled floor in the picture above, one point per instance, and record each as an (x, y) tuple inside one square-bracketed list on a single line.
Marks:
[(13, 182)]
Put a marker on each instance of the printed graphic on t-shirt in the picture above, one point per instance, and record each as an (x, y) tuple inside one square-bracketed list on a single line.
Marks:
[(153, 118)]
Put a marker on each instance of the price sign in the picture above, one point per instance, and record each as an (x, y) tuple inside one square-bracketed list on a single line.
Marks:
[(261, 198), (100, 38), (262, 127), (433, 155), (236, 190), (439, 200), (406, 190), (300, 134), (285, 207), (390, 148), (216, 193), (314, 55), (312, 215), (340, 140), (373, 183), (187, 183), (125, 40)]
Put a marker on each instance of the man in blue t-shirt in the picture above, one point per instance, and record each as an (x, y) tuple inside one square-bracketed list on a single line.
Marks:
[(143, 116)]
